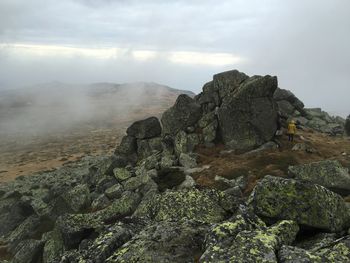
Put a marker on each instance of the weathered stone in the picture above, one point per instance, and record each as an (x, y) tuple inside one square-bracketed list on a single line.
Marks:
[(26, 230), (163, 242), (248, 117), (100, 202), (304, 147), (336, 252), (28, 251), (145, 129), (203, 206), (114, 191), (328, 173), (252, 245), (185, 112), (122, 174), (185, 143), (167, 161), (148, 147), (187, 160), (53, 248), (75, 227), (308, 204), (127, 146), (78, 198), (136, 182), (189, 183)]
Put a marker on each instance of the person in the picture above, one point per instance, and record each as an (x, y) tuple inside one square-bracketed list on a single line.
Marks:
[(292, 128)]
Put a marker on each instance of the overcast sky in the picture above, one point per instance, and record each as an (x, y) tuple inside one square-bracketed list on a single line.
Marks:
[(180, 43)]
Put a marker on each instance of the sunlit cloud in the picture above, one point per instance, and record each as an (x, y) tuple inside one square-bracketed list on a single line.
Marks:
[(199, 58), (177, 57), (144, 55)]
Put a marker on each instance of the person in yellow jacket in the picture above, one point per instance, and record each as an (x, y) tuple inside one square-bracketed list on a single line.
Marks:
[(292, 129)]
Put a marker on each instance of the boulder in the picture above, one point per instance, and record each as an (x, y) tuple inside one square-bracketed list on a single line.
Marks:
[(122, 174), (308, 204), (335, 252), (145, 129), (203, 206), (100, 202), (288, 102), (163, 242), (185, 112), (328, 173), (53, 246), (28, 251), (248, 117), (187, 161), (250, 243), (148, 147), (78, 198), (185, 143), (304, 147), (114, 191), (127, 146), (347, 126)]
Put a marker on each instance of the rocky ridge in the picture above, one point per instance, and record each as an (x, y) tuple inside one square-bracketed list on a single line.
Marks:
[(142, 205)]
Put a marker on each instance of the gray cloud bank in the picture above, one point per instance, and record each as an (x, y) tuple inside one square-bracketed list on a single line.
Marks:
[(305, 43)]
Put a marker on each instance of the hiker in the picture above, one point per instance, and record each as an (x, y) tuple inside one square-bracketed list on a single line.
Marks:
[(291, 130)]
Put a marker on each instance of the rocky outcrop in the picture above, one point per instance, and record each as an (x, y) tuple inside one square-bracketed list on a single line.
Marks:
[(328, 173), (288, 103), (347, 126), (185, 113), (308, 204), (145, 129)]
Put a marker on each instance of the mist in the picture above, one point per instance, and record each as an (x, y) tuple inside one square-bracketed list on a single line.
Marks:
[(179, 44)]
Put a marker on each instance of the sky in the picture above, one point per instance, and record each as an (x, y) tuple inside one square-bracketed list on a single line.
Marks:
[(180, 43)]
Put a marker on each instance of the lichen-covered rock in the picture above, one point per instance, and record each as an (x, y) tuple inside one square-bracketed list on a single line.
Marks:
[(209, 125), (168, 161), (308, 204), (203, 206), (28, 251), (127, 146), (75, 227), (317, 241), (336, 252), (163, 242), (257, 245), (122, 174), (78, 198), (120, 208), (185, 112), (185, 143), (148, 147), (145, 129), (114, 191), (26, 230), (100, 202), (53, 248), (288, 102), (328, 173), (136, 182), (248, 116), (187, 161)]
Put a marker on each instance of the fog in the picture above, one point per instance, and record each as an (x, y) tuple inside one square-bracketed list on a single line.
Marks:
[(58, 108), (178, 43)]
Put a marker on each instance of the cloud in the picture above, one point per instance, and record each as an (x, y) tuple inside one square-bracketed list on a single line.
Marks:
[(180, 43)]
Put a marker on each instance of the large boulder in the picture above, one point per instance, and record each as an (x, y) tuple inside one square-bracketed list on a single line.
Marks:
[(308, 204), (204, 206), (163, 242), (288, 103), (347, 126), (328, 173), (248, 116), (185, 112), (145, 129)]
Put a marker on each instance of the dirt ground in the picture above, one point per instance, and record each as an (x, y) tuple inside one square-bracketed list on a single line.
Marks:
[(273, 162)]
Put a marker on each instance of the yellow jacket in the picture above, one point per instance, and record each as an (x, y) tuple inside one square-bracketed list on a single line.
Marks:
[(292, 128)]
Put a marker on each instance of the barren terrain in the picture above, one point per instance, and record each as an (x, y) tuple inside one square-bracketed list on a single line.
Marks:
[(43, 133)]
